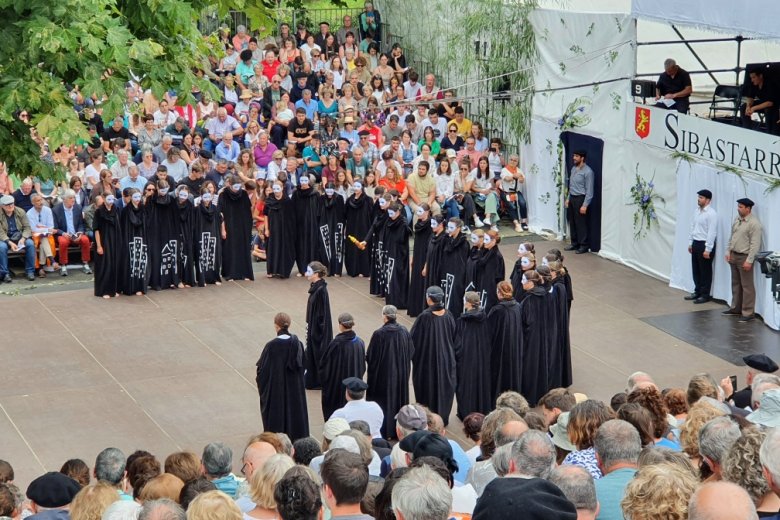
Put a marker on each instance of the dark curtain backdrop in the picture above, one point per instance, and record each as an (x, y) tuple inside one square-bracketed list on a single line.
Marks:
[(594, 148)]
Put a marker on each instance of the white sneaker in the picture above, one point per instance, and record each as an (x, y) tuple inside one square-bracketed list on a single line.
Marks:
[(477, 222), (494, 228), (87, 270), (64, 271), (487, 221)]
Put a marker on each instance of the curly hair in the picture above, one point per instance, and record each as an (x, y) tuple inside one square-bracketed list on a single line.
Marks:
[(675, 400), (659, 492), (650, 398), (742, 465), (297, 496), (698, 416), (584, 420)]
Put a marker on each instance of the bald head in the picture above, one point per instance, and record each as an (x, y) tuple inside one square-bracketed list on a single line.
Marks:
[(255, 456), (639, 380), (721, 501), (510, 432)]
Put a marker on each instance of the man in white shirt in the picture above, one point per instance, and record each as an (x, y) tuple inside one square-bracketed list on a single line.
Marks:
[(439, 124), (120, 169), (357, 408), (42, 223), (701, 246)]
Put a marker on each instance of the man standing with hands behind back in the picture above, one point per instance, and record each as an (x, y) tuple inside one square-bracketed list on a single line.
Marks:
[(580, 197), (741, 252), (701, 246)]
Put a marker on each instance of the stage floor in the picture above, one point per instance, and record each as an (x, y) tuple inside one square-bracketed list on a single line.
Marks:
[(175, 369)]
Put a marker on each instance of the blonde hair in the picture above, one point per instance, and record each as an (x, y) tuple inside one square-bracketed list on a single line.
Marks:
[(264, 480), (699, 414), (162, 486), (214, 505), (659, 492), (92, 501)]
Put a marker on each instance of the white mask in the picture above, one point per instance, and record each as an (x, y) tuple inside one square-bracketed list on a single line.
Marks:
[(486, 239), (304, 180), (329, 192), (357, 186), (136, 197), (391, 213), (474, 239), (110, 199), (309, 271), (382, 203), (183, 195), (525, 262), (434, 224), (206, 197), (236, 186), (276, 189), (544, 261), (451, 227), (163, 192), (524, 280), (420, 212), (521, 249)]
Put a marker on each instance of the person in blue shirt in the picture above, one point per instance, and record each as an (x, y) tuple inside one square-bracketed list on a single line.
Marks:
[(308, 104), (227, 149), (349, 133), (312, 156)]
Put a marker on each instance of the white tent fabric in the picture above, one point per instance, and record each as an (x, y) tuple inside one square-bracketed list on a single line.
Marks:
[(726, 189), (538, 159), (758, 18)]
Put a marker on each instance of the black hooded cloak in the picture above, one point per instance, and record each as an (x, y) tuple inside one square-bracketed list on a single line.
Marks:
[(389, 358), (344, 357), (433, 274), (306, 204), (376, 238), (472, 354), (536, 344), (207, 244), (280, 384), (358, 221), (107, 265), (422, 237), (434, 369), (490, 270), (332, 228), (186, 220), (560, 354), (280, 247), (453, 273), (506, 357), (319, 331), (236, 211), (135, 267), (162, 237), (396, 259)]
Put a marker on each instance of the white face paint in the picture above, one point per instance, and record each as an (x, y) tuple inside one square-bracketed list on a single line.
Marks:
[(391, 213), (304, 181), (544, 261), (110, 200), (420, 212), (309, 271), (163, 192), (434, 224), (524, 280), (329, 192), (521, 249), (183, 195), (136, 197), (383, 203), (525, 262), (486, 239), (357, 186), (451, 227), (474, 239), (206, 197), (236, 186), (276, 188)]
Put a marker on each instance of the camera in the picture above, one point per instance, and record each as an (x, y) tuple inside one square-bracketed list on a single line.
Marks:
[(770, 267)]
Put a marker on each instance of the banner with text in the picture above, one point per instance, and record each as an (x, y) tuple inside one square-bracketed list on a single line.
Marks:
[(704, 139)]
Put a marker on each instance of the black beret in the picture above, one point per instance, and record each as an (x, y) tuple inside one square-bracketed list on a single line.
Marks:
[(53, 490), (760, 362), (705, 193), (746, 202), (355, 384)]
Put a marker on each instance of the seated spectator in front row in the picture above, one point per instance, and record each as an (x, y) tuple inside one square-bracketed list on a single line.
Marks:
[(50, 496), (217, 460), (42, 224), (15, 235)]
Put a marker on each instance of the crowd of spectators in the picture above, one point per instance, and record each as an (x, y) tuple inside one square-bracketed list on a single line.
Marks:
[(650, 454), (338, 107)]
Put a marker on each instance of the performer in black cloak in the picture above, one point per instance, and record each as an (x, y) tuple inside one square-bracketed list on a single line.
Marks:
[(280, 233), (560, 375), (319, 329), (536, 344), (332, 227), (162, 237), (396, 257), (453, 267), (236, 209), (359, 209), (422, 237), (389, 359), (491, 268), (472, 354), (506, 357), (432, 269), (375, 238), (186, 216), (108, 244), (566, 276), (306, 203), (472, 261), (134, 258), (209, 231), (525, 262), (434, 369), (344, 357), (280, 383)]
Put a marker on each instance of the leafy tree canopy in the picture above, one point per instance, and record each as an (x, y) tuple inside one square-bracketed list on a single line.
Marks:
[(47, 47)]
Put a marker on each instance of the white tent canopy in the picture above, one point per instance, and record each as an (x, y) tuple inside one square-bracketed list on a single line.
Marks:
[(757, 19)]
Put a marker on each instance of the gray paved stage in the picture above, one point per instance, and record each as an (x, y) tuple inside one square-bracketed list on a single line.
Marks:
[(175, 369)]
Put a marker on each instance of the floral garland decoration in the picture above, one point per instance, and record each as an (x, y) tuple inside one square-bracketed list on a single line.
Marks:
[(644, 197), (576, 115)]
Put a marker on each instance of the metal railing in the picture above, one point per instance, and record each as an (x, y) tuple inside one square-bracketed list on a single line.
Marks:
[(311, 18)]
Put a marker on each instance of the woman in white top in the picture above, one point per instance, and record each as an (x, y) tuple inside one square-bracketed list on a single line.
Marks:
[(425, 155), (445, 189), (484, 194), (384, 70), (496, 158), (284, 73), (478, 132), (347, 99), (307, 47), (512, 181), (229, 92), (338, 72), (230, 59)]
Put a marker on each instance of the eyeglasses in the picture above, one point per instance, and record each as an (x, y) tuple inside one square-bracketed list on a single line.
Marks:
[(276, 82)]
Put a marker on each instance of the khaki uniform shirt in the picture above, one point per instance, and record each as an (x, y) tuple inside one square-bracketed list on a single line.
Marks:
[(745, 237)]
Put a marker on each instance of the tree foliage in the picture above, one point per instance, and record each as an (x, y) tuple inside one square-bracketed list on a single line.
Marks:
[(48, 47)]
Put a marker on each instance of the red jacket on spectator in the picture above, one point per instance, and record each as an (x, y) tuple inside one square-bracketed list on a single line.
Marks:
[(269, 69)]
